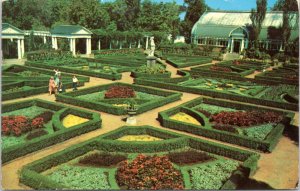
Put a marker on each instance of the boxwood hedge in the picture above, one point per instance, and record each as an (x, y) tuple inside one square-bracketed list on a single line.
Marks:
[(61, 133)]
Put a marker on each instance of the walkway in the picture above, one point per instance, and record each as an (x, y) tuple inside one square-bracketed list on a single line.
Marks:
[(279, 168)]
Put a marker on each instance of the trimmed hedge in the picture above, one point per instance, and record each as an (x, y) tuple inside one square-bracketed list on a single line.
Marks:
[(105, 107), (30, 92), (266, 145), (217, 94), (179, 64), (136, 74), (30, 173), (116, 76), (54, 138)]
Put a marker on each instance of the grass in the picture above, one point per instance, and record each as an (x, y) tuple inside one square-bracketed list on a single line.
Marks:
[(258, 132), (213, 109), (79, 177)]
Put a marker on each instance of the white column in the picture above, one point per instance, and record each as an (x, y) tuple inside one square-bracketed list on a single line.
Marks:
[(74, 46), (242, 45), (99, 44), (55, 43), (232, 43), (19, 49), (147, 43), (45, 40), (52, 41), (22, 48), (71, 44), (88, 46), (139, 44)]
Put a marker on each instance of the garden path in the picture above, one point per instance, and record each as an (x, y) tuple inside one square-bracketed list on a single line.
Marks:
[(283, 160)]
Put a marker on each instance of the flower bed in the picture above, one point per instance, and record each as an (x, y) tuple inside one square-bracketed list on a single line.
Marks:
[(183, 117), (245, 125), (243, 90), (138, 138), (189, 157), (154, 170), (40, 127), (73, 120), (118, 93), (187, 61)]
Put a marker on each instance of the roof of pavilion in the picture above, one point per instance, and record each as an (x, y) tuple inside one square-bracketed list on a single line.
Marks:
[(70, 30), (219, 24), (10, 30)]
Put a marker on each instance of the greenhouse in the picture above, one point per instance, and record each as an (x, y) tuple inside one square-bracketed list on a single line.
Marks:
[(233, 29)]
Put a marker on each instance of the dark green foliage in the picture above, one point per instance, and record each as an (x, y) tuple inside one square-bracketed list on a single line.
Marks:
[(36, 133), (102, 159), (47, 116), (225, 128), (189, 157)]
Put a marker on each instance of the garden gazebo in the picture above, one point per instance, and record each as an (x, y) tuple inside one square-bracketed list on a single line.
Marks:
[(72, 32), (10, 32)]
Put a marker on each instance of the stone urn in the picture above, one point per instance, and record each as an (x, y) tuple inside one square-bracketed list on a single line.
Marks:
[(131, 111)]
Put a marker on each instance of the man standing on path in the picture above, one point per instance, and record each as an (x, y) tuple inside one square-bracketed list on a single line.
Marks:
[(75, 82)]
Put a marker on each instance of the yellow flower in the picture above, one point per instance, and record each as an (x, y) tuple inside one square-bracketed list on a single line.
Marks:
[(185, 118), (138, 138), (219, 89), (72, 120)]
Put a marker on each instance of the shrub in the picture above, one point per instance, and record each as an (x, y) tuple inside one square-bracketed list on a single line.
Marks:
[(246, 118), (14, 125), (189, 157), (204, 112), (16, 69), (47, 116), (104, 159), (225, 128), (149, 172), (220, 68), (37, 123), (156, 69), (36, 133), (120, 92)]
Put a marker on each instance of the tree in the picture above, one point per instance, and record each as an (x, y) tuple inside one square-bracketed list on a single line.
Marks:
[(257, 17), (194, 10), (280, 4)]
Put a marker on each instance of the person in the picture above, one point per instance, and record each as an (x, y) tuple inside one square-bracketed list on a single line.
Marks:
[(56, 81), (57, 73), (75, 82), (61, 88), (52, 86)]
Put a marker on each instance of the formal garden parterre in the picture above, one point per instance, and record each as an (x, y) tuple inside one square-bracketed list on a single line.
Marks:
[(32, 125), (115, 98), (22, 81), (106, 162), (245, 125)]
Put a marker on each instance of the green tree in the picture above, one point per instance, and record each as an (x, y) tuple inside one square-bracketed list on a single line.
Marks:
[(257, 17), (194, 10)]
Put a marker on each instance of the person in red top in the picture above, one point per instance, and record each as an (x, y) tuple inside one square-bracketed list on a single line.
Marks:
[(52, 87)]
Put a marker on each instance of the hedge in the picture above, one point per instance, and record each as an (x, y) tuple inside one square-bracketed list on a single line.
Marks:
[(30, 173), (30, 92), (217, 94), (205, 130), (178, 64), (136, 74), (63, 134), (108, 108), (43, 71), (76, 71)]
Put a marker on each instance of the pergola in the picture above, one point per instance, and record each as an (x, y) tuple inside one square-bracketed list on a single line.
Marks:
[(71, 32), (12, 33)]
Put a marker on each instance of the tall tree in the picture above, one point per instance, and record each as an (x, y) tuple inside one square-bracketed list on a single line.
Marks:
[(195, 8), (280, 4), (289, 19), (257, 17)]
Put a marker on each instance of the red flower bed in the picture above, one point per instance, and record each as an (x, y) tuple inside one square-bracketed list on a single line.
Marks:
[(16, 125), (220, 69), (120, 92), (248, 118), (149, 172)]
